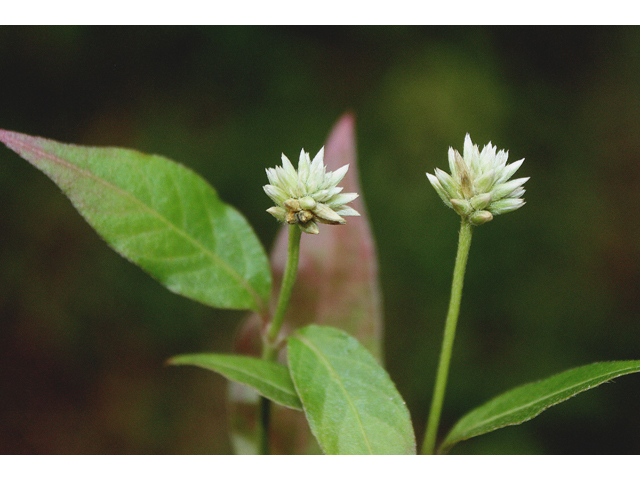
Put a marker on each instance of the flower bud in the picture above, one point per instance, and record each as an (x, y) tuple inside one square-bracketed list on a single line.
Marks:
[(480, 202), (308, 203), (480, 217), (462, 207)]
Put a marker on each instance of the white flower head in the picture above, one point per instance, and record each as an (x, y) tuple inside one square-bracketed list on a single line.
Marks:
[(309, 194), (479, 186)]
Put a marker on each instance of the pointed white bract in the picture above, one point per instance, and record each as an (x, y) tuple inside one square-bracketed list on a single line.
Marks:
[(308, 195), (479, 185)]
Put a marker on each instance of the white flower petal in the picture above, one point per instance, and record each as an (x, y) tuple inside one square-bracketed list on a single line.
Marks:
[(501, 159), (271, 175), (484, 182), (278, 212), (317, 165), (434, 181), (304, 166), (484, 161), (442, 193), (447, 183), (452, 162), (468, 151), (506, 205), (342, 199), (346, 211), (517, 193), (286, 177), (338, 175), (276, 194), (323, 196), (508, 171), (286, 164), (505, 189), (300, 190)]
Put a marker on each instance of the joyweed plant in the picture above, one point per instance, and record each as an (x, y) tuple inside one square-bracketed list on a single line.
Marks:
[(293, 365)]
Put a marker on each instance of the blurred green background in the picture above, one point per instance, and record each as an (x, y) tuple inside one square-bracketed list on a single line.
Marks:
[(84, 334)]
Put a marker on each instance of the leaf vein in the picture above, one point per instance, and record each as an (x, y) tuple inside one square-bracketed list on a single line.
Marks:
[(337, 379), (214, 257), (555, 393)]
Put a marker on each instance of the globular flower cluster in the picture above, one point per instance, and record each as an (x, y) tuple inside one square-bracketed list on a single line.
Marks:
[(308, 195), (479, 186)]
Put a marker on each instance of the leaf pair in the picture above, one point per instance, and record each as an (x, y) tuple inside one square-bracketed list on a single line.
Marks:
[(353, 407), (350, 402)]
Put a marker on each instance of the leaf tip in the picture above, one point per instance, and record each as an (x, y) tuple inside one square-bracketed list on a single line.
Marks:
[(174, 361)]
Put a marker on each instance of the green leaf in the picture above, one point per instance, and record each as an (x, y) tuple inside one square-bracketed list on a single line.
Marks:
[(337, 285), (351, 404), (161, 216), (270, 379), (528, 401)]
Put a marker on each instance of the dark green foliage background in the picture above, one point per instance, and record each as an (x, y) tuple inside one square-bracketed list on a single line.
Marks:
[(84, 334)]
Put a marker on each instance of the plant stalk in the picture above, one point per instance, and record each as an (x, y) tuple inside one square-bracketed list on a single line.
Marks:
[(288, 279), (464, 243), (270, 339)]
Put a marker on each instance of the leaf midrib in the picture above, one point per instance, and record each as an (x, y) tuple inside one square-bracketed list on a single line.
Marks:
[(250, 374), (557, 392), (336, 377)]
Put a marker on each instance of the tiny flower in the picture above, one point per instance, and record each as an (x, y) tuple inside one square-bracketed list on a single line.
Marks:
[(308, 195), (479, 186)]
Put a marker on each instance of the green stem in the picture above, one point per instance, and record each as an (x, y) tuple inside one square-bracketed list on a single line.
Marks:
[(265, 421), (270, 340), (288, 279), (464, 242)]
